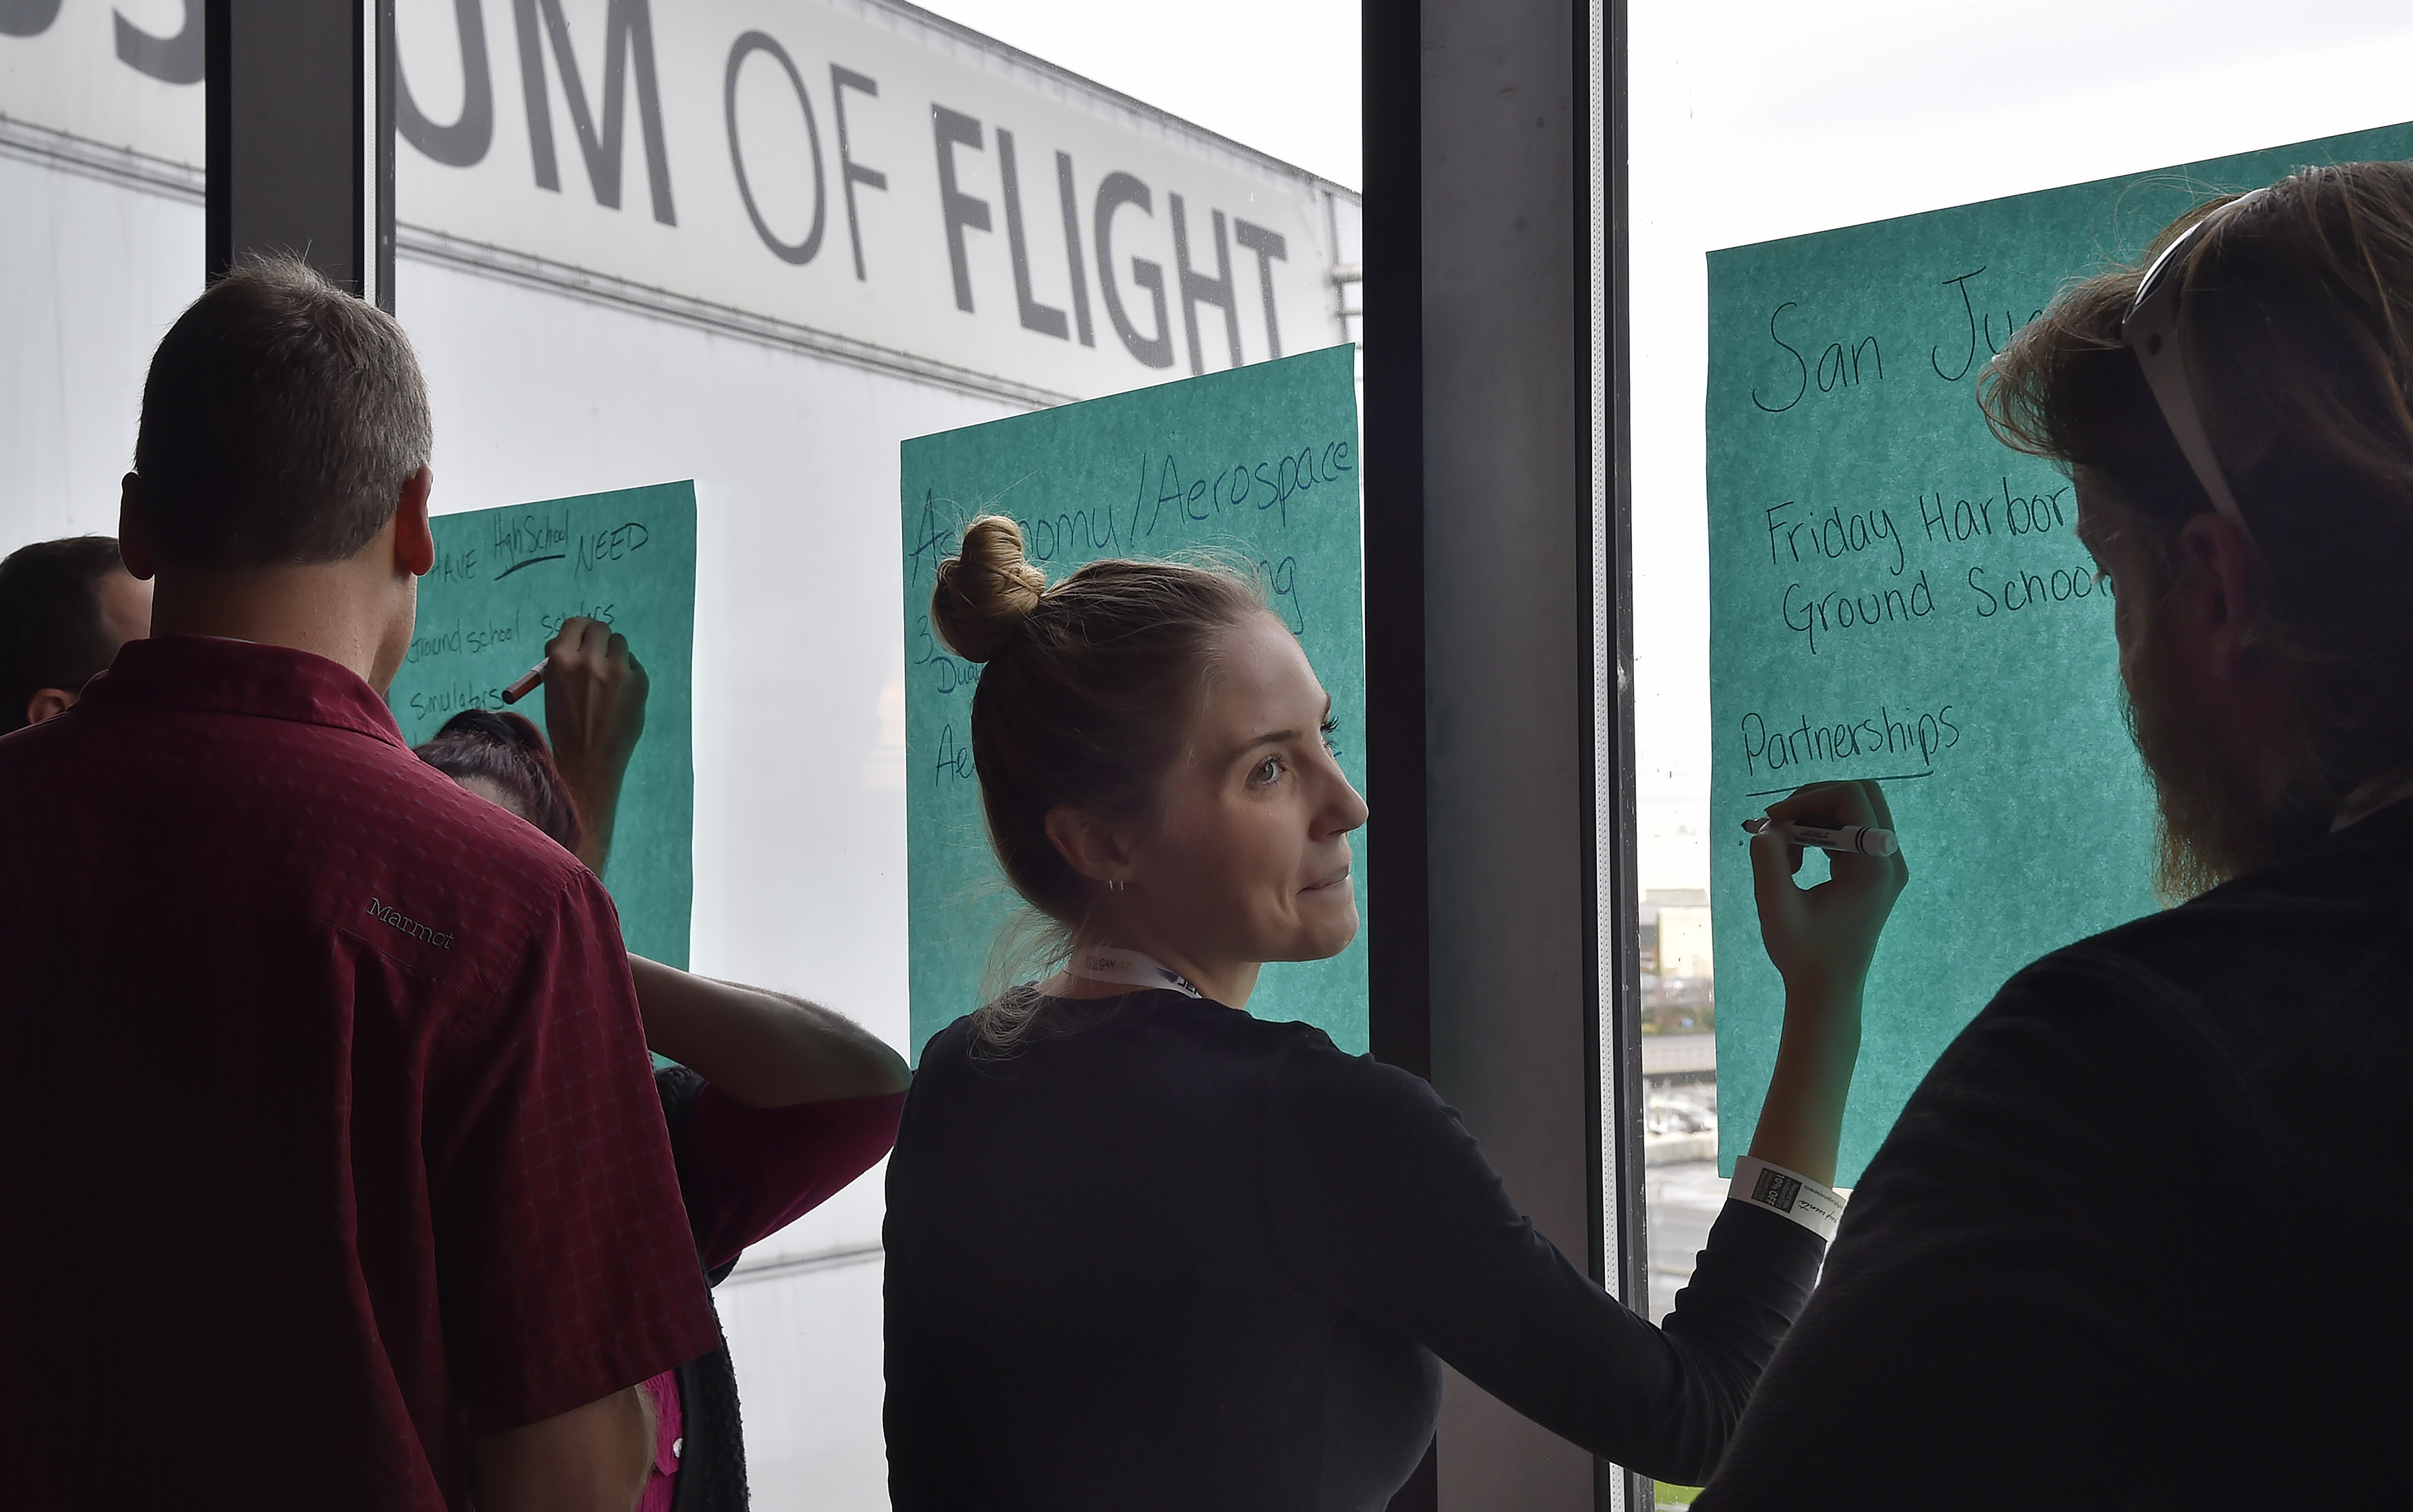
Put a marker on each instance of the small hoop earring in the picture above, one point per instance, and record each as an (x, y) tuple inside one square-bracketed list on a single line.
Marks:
[(1115, 884)]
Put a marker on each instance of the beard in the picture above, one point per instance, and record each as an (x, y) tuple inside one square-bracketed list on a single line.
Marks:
[(2220, 811)]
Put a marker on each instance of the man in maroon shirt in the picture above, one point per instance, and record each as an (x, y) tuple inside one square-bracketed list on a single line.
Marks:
[(334, 1175)]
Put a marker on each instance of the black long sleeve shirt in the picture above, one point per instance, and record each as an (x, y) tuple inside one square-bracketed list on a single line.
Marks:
[(2139, 1239), (1181, 1258)]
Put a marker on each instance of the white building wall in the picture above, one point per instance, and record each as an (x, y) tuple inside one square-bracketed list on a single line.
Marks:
[(92, 273)]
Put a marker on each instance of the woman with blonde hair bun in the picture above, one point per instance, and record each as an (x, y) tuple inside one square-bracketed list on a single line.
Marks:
[(1146, 1252)]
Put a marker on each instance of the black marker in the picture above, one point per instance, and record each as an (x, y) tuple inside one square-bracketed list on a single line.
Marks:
[(1856, 839)]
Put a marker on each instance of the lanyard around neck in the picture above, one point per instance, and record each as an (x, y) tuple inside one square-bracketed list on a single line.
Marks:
[(1128, 967)]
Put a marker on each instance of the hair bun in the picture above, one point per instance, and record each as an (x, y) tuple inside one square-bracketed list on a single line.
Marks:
[(985, 592)]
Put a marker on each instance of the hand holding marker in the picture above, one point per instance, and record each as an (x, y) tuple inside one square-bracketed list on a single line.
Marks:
[(1855, 840), (594, 714), (1821, 939), (526, 685), (574, 632)]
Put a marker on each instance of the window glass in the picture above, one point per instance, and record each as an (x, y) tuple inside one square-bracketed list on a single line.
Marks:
[(1773, 122), (100, 245), (756, 244), (760, 244)]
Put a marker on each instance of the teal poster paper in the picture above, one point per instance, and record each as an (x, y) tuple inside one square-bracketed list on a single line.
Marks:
[(1259, 462), (1896, 594), (504, 581)]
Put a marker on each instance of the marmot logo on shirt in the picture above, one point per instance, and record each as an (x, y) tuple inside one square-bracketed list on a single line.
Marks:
[(394, 919)]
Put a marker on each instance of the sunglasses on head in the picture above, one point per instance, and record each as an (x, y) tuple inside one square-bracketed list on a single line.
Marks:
[(2154, 328)]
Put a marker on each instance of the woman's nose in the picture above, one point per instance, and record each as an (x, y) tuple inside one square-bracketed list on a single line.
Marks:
[(1346, 810)]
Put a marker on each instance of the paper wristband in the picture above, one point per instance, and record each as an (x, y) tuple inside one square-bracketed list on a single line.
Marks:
[(1814, 1206)]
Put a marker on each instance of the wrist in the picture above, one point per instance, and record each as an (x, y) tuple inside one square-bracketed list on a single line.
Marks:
[(596, 788), (1824, 1039), (1825, 1001), (592, 771), (1822, 980), (1804, 1196)]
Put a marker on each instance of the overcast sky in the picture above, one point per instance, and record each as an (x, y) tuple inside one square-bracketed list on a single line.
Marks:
[(1280, 75)]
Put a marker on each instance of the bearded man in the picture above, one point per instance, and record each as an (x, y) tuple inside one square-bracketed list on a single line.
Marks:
[(2139, 1238)]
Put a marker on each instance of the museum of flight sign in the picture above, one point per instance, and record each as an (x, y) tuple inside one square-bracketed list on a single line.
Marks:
[(861, 170)]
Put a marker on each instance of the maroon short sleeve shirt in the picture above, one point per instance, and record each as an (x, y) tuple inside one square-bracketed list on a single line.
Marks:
[(331, 1139)]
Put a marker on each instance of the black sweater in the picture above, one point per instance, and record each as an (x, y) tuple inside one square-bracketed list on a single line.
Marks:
[(1180, 1258), (2139, 1239)]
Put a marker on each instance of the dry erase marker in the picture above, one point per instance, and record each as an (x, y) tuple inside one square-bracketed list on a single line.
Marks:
[(526, 686), (1857, 839)]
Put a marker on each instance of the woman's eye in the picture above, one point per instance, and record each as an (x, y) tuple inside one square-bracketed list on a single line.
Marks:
[(1267, 770), (1329, 727)]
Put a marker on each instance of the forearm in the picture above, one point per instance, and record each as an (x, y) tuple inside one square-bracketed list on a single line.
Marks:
[(762, 1048), (594, 711), (1802, 1120), (598, 793)]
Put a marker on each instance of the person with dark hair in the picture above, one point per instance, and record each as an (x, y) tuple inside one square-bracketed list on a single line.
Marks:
[(336, 1134), (502, 758), (2055, 1285), (66, 606), (774, 1103), (1145, 1251)]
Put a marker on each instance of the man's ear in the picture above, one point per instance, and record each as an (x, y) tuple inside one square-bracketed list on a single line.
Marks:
[(48, 703), (1088, 844), (2223, 588), (133, 532), (414, 539)]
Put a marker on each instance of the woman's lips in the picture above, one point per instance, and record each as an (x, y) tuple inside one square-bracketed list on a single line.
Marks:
[(1338, 878)]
